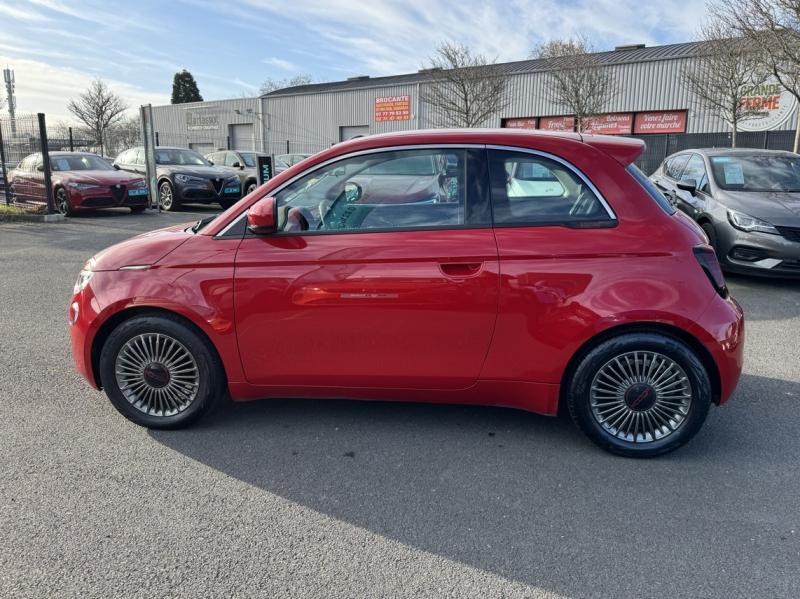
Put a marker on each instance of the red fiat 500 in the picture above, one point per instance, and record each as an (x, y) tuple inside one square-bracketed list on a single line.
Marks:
[(536, 271)]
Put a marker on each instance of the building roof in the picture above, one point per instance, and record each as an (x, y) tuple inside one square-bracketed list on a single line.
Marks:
[(621, 55)]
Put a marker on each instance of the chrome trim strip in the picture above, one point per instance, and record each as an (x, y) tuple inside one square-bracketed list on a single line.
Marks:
[(135, 267), (562, 162)]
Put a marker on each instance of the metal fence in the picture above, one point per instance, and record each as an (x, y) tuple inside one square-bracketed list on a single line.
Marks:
[(660, 146), (24, 148)]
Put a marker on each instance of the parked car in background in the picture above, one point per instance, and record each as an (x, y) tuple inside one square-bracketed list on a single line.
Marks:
[(185, 176), (245, 162), (81, 181), (747, 202), (594, 295), (284, 161)]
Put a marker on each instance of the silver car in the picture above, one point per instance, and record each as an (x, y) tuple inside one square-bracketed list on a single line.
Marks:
[(747, 201)]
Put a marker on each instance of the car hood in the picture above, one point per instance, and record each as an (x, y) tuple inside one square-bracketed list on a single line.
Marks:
[(775, 207), (206, 172), (96, 177), (144, 249)]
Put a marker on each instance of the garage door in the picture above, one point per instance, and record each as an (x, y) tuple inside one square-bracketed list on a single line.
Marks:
[(202, 148), (242, 137), (346, 133)]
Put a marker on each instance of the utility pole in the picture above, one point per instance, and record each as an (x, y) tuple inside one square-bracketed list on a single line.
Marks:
[(8, 77)]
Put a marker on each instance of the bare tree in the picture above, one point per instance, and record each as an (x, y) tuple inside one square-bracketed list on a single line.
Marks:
[(577, 81), (724, 74), (773, 27), (123, 135), (98, 108), (467, 89), (271, 85)]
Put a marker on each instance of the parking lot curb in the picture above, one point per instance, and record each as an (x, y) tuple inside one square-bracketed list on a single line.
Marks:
[(32, 218)]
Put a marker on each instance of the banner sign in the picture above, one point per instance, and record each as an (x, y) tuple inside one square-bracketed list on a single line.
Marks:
[(201, 121), (609, 124), (520, 123), (393, 108), (775, 106), (557, 123), (668, 121), (264, 168)]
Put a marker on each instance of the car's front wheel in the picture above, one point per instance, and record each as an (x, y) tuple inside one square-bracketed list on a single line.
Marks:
[(166, 196), (62, 202), (640, 394), (159, 372)]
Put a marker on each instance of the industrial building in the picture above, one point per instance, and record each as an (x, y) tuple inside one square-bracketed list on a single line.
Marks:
[(649, 102)]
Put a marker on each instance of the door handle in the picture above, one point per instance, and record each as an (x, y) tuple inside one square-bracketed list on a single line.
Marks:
[(461, 269)]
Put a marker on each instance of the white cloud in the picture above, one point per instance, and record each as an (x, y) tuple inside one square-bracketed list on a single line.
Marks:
[(281, 63), (22, 14), (42, 87)]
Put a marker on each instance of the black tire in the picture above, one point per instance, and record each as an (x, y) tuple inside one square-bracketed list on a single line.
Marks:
[(210, 376), (62, 202), (579, 390), (708, 228), (250, 187), (137, 209), (166, 195)]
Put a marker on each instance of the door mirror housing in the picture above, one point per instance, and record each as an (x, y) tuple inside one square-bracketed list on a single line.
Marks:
[(262, 217), (689, 185), (236, 164), (116, 166)]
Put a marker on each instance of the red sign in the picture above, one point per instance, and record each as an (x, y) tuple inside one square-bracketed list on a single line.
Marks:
[(557, 123), (393, 108), (522, 123), (672, 121), (609, 124)]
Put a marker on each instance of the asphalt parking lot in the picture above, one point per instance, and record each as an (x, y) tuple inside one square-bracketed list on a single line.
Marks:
[(349, 499)]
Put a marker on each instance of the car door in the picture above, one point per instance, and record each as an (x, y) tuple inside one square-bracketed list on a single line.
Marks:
[(36, 189), (21, 179), (671, 174), (358, 289), (693, 203)]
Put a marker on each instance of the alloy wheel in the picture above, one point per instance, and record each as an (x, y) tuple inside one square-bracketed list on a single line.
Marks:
[(165, 195), (62, 201), (157, 374), (640, 396)]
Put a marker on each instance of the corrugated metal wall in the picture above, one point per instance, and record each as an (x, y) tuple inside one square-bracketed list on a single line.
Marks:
[(309, 122)]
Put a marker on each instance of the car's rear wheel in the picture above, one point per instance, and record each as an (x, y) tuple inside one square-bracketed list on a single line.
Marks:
[(166, 196), (62, 202), (251, 187), (159, 372), (640, 394)]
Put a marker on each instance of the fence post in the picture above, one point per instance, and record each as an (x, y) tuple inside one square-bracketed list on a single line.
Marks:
[(71, 144), (287, 147), (48, 184), (228, 143), (766, 139), (6, 190), (157, 144), (148, 139)]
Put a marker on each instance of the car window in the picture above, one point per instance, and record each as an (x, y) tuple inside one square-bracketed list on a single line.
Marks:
[(696, 169), (403, 189), (651, 189), (231, 158), (79, 162), (528, 189), (757, 172), (674, 166)]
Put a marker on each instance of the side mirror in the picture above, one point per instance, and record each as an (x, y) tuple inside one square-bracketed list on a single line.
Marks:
[(116, 166), (211, 162), (262, 217), (689, 185), (236, 164)]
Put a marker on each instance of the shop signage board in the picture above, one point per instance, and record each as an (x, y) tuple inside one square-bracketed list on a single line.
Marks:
[(392, 108)]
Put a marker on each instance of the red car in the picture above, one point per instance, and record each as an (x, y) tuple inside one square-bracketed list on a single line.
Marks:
[(553, 274), (81, 181)]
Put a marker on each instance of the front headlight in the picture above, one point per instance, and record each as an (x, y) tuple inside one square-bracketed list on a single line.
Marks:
[(189, 180), (83, 280), (751, 224), (233, 180), (74, 185)]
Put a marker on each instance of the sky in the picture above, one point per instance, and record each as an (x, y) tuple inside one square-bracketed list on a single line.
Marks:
[(57, 47)]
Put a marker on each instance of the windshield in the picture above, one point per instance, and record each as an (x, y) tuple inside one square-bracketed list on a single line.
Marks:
[(79, 163), (249, 158), (758, 172), (187, 157)]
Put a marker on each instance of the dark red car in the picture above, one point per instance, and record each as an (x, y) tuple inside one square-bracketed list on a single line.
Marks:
[(550, 274), (81, 181)]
